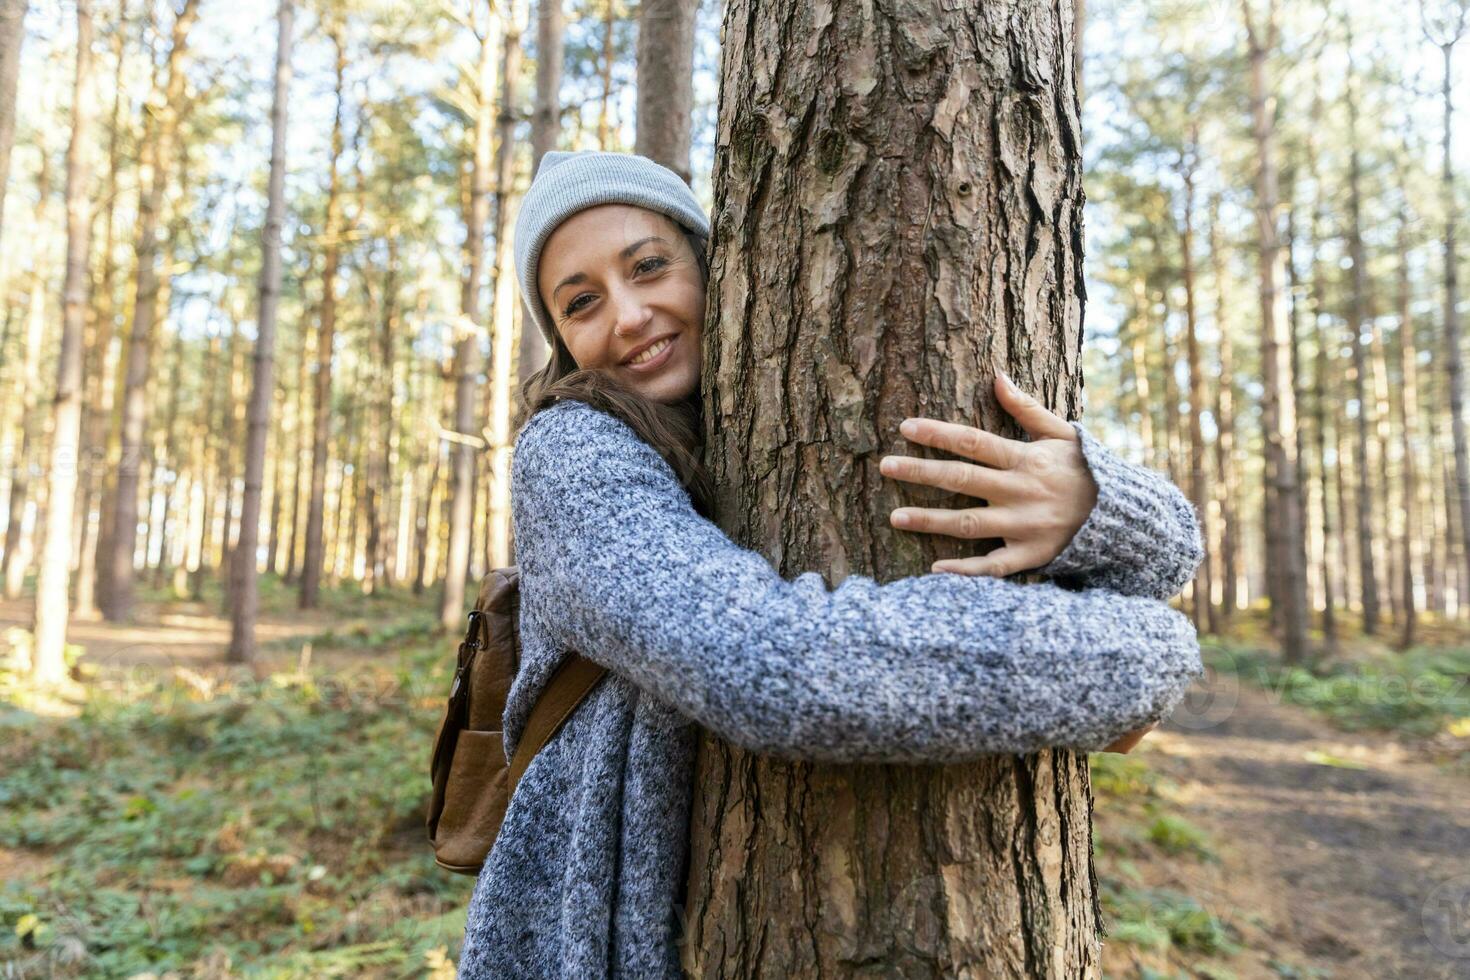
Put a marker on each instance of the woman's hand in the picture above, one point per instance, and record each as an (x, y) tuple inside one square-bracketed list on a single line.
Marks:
[(1124, 743), (1039, 492)]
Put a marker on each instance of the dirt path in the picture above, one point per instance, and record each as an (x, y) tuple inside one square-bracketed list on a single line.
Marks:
[(1359, 872)]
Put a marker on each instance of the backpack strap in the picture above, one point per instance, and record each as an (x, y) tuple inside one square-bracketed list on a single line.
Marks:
[(572, 680)]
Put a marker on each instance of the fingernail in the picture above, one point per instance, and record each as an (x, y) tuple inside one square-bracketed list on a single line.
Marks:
[(901, 518), (908, 427), (1005, 381)]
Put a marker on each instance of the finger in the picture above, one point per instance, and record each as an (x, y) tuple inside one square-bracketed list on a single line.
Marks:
[(954, 475), (1039, 421), (971, 523), (964, 440), (998, 564)]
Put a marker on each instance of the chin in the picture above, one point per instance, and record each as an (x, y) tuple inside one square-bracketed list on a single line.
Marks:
[(674, 385)]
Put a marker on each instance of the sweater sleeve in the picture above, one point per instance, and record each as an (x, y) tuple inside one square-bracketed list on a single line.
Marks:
[(1142, 537), (617, 564)]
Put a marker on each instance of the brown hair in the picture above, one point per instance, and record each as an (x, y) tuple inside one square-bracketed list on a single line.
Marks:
[(675, 431)]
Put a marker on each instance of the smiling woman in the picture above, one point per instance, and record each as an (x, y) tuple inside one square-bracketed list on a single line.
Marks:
[(620, 562), (628, 297)]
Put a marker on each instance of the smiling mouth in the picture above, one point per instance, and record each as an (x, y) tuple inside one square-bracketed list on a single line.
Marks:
[(659, 351)]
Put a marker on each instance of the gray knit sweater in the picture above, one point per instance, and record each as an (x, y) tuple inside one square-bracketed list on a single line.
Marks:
[(586, 874)]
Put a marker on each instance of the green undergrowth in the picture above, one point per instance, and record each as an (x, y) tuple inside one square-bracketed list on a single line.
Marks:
[(221, 826), (1421, 692)]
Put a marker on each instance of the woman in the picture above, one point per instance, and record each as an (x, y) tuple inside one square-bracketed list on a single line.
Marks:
[(619, 562)]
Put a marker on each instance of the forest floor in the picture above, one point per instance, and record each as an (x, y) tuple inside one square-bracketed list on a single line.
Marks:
[(177, 822), (1317, 851)]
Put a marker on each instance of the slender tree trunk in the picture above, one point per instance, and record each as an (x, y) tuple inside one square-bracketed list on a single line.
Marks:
[(1323, 394), (54, 572), (604, 135), (302, 392), (315, 554), (545, 131), (811, 870), (1454, 364), (102, 368), (117, 590), (12, 32), (503, 304), (462, 449), (170, 454), (225, 447), (666, 82), (209, 474), (1409, 412), (1227, 485), (244, 590), (381, 482), (1204, 615), (1281, 519), (18, 548), (1360, 316)]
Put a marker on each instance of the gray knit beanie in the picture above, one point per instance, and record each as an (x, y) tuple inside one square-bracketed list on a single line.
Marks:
[(568, 182)]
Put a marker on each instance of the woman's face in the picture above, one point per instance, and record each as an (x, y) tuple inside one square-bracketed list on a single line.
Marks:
[(620, 282)]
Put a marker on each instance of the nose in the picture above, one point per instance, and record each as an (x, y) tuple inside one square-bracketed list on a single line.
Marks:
[(631, 312)]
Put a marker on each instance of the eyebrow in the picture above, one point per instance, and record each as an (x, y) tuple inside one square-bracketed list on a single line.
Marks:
[(577, 277)]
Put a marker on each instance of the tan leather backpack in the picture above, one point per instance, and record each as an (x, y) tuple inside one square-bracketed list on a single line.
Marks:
[(472, 783)]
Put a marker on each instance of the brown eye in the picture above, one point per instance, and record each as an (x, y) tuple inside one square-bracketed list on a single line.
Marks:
[(651, 263)]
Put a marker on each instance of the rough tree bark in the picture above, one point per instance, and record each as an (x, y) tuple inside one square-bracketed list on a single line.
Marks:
[(894, 221)]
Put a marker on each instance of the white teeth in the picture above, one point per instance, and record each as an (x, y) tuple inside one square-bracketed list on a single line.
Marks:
[(652, 352)]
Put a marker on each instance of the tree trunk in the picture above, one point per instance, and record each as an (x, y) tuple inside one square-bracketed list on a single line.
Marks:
[(170, 454), (1324, 391), (666, 82), (604, 135), (1281, 519), (54, 572), (1227, 484), (545, 131), (1408, 357), (462, 449), (1454, 365), (101, 367), (1204, 614), (380, 482), (12, 32), (1360, 316), (315, 554), (244, 590), (925, 215), (17, 547), (117, 588), (503, 303)]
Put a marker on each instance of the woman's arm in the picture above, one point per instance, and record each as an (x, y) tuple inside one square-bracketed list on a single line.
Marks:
[(616, 564)]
